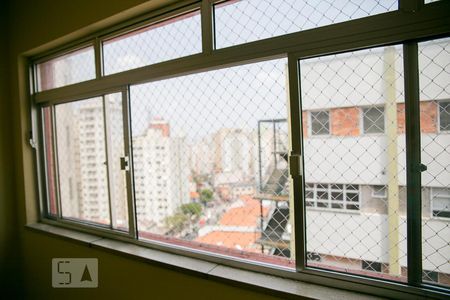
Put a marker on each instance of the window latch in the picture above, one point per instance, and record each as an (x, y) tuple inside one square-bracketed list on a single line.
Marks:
[(295, 165), (124, 163), (31, 140), (422, 167)]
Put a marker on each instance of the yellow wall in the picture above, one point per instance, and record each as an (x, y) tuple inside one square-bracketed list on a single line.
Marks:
[(8, 224), (35, 23)]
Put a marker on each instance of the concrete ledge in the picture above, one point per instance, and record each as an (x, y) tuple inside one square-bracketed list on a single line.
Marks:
[(274, 285)]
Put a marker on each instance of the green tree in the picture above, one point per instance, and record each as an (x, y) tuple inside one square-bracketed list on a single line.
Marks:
[(192, 209), (176, 222), (206, 196)]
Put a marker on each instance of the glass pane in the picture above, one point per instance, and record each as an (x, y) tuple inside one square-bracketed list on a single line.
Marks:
[(83, 184), (434, 78), (47, 129), (238, 22), (67, 69), (210, 161), (320, 122), (116, 150), (444, 115), (373, 120), (370, 229), (159, 42)]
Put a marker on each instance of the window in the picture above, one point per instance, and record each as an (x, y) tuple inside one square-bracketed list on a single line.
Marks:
[(334, 196), (70, 68), (371, 266), (440, 202), (165, 40), (340, 167), (433, 79), (77, 162), (431, 276), (320, 122), (180, 135), (379, 191), (245, 21), (444, 115), (373, 119), (226, 137)]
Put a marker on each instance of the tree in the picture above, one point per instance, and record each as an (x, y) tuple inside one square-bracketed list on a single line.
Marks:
[(206, 196), (176, 222), (191, 209)]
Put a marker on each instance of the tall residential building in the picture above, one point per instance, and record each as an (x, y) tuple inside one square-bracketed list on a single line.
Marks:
[(201, 157), (82, 141), (161, 174), (231, 157)]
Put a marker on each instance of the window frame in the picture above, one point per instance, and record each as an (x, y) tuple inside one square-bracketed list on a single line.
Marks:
[(42, 161), (208, 59)]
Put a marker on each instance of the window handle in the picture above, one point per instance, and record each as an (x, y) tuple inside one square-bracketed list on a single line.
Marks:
[(124, 163), (422, 167), (295, 165)]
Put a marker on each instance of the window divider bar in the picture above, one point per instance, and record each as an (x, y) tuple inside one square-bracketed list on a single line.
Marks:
[(56, 164), (296, 205), (207, 26), (98, 58), (37, 139), (132, 218), (108, 159), (413, 174), (410, 5)]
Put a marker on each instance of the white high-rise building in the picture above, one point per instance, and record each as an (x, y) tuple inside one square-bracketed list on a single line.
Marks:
[(233, 155), (83, 162), (161, 174), (202, 156)]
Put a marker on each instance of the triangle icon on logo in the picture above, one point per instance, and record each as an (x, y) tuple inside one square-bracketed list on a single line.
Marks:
[(86, 275)]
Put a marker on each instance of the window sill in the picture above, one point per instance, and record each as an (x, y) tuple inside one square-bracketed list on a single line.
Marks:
[(274, 285)]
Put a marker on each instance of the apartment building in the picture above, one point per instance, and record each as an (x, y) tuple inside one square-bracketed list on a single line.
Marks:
[(161, 173), (355, 165)]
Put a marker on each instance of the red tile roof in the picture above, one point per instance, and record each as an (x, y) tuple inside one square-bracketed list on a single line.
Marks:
[(247, 215)]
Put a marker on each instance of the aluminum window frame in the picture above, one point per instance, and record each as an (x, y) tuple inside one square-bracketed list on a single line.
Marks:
[(86, 224), (389, 28)]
